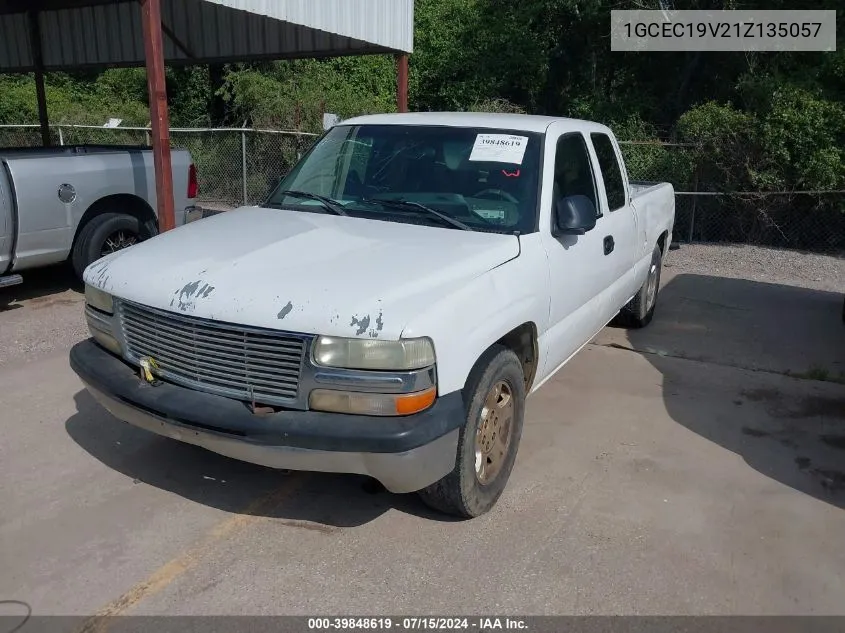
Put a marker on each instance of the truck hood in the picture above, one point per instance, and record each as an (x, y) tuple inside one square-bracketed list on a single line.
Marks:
[(301, 272)]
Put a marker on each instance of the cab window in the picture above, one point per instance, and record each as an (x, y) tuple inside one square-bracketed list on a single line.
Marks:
[(614, 187), (573, 172)]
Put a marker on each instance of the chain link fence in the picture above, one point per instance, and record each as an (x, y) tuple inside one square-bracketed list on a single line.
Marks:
[(24, 136), (241, 166), (235, 166), (803, 220)]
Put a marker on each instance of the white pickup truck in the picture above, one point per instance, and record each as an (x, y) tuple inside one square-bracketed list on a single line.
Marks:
[(78, 203), (389, 307)]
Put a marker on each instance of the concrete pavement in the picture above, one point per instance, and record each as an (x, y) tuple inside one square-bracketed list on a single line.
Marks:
[(680, 479)]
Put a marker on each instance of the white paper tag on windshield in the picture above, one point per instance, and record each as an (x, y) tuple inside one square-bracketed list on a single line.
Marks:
[(499, 148)]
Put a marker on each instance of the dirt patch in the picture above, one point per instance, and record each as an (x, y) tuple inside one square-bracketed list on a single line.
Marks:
[(836, 441), (761, 395), (833, 480), (46, 302), (307, 525), (783, 435), (817, 406), (796, 408), (830, 479)]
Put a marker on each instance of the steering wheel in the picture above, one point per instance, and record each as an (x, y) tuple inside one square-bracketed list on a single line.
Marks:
[(504, 195)]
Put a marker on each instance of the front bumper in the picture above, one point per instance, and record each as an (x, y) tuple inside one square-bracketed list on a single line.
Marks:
[(404, 453)]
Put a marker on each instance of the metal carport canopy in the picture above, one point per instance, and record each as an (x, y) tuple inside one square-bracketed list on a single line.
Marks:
[(82, 33), (44, 35)]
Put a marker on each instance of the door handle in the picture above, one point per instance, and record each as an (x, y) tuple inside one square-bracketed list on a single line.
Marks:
[(608, 245)]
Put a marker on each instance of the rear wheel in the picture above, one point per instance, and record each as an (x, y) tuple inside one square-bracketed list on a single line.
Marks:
[(105, 234), (640, 310), (488, 442)]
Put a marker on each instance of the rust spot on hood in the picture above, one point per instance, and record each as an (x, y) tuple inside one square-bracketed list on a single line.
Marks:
[(361, 324), (285, 311), (185, 297)]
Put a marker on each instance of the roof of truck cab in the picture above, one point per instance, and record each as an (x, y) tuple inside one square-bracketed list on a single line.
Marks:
[(521, 122)]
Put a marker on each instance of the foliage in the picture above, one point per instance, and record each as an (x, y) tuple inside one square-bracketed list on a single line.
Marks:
[(501, 106), (69, 100), (793, 141), (802, 136), (91, 99), (294, 95), (729, 160), (760, 121)]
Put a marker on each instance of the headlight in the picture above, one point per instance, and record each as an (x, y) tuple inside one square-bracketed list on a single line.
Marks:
[(359, 353), (98, 299), (99, 307), (100, 327)]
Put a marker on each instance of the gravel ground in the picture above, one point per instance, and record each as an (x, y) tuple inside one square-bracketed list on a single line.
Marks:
[(756, 263), (45, 313), (40, 316)]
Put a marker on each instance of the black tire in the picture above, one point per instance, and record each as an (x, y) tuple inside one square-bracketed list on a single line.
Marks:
[(92, 238), (462, 493), (640, 310), (843, 311)]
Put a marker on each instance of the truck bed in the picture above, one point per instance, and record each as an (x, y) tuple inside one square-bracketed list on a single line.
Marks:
[(640, 187), (67, 150), (46, 192)]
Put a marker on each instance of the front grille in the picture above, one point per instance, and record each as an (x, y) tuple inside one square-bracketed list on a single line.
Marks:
[(230, 360)]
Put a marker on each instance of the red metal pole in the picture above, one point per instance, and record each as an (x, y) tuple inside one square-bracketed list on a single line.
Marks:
[(154, 49), (402, 82)]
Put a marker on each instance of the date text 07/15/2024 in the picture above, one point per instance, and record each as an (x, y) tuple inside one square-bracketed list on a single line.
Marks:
[(416, 624)]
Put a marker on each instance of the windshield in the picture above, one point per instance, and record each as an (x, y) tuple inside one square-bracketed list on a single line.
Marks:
[(485, 179)]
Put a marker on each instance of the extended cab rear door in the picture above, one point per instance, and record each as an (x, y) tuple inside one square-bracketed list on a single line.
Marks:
[(619, 229)]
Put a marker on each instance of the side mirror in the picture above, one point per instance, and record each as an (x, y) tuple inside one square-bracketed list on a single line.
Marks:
[(574, 215)]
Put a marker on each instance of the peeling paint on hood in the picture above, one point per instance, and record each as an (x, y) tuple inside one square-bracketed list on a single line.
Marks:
[(186, 297), (285, 311), (360, 325), (301, 271)]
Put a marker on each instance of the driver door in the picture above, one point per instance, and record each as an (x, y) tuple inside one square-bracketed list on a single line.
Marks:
[(580, 274)]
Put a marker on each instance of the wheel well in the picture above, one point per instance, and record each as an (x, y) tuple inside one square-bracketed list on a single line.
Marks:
[(119, 203), (661, 242), (522, 341)]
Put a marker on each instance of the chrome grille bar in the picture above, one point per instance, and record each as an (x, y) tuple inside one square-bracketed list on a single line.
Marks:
[(221, 358)]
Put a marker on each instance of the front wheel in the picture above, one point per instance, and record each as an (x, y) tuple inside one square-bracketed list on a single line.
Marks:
[(488, 441)]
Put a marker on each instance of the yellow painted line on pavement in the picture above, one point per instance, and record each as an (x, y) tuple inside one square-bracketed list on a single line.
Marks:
[(173, 569)]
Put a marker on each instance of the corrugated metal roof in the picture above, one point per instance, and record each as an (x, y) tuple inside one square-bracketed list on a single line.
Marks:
[(206, 30)]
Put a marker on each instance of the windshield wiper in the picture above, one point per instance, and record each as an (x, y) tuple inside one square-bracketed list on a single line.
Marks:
[(408, 204), (328, 203)]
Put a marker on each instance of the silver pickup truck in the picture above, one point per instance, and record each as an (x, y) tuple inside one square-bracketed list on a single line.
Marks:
[(78, 203)]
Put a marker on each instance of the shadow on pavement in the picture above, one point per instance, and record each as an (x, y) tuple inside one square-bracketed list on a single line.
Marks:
[(39, 286), (323, 500), (789, 429), (750, 324)]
